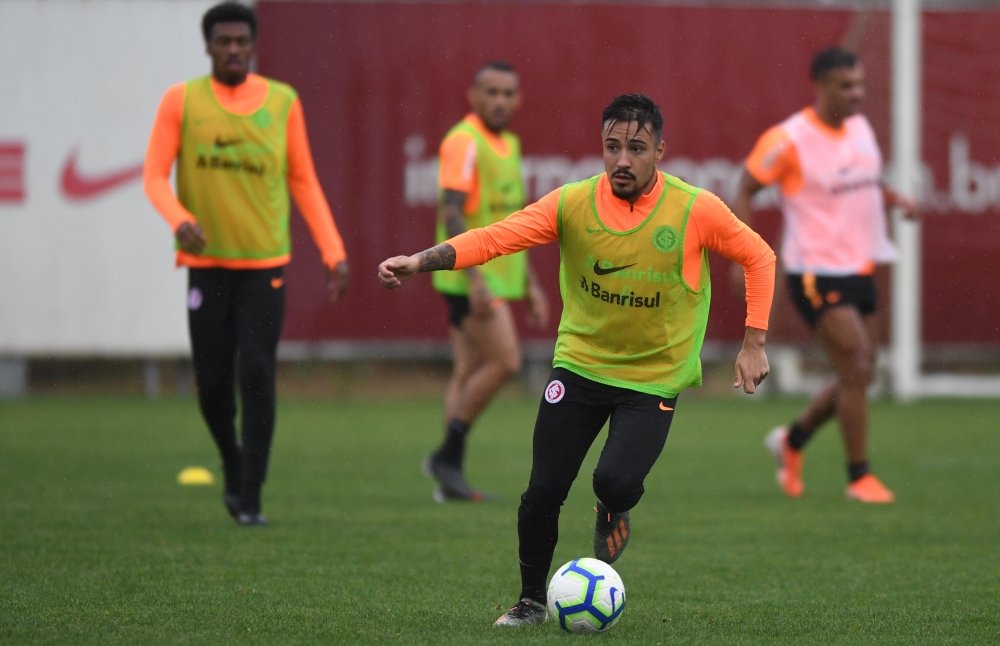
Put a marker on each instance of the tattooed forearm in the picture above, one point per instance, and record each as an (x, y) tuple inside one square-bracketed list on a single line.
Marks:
[(435, 258)]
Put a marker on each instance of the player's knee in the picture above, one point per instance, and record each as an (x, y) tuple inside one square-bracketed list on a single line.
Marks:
[(860, 372), (617, 492), (507, 364), (214, 388), (511, 364), (256, 371), (543, 498)]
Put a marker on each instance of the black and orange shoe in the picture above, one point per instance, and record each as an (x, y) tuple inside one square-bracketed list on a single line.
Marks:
[(611, 533), (451, 483)]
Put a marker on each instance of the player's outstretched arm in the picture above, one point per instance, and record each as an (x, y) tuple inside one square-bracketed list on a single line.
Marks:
[(395, 271), (751, 362)]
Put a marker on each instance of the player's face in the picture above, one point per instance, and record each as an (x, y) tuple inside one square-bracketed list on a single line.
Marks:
[(842, 90), (494, 98), (631, 154), (231, 47)]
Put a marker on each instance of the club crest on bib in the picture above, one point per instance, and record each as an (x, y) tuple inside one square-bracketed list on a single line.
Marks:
[(262, 118), (554, 391), (195, 299), (665, 238)]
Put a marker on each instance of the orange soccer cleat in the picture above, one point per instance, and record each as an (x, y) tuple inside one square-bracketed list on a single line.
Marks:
[(789, 460), (869, 489)]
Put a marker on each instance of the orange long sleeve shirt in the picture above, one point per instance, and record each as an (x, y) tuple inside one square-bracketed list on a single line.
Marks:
[(246, 98), (711, 225)]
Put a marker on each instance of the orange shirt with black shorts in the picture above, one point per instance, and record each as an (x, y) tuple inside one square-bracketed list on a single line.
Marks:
[(834, 230)]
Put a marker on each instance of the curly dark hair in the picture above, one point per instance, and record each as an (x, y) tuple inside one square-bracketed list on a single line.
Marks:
[(228, 12)]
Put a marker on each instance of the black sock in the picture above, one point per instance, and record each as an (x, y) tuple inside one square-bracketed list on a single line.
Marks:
[(797, 436), (857, 470), (452, 449), (533, 583), (250, 497)]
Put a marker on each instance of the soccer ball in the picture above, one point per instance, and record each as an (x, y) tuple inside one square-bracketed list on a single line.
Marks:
[(586, 596)]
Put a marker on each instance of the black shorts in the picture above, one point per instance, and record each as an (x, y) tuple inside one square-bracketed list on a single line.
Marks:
[(812, 295), (458, 309)]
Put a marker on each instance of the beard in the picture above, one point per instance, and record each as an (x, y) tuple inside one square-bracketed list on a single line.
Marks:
[(627, 194)]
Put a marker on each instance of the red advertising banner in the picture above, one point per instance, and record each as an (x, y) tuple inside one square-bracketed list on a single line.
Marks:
[(382, 82)]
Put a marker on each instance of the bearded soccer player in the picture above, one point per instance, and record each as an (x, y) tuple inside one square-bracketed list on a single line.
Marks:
[(480, 183), (239, 141), (634, 280), (827, 165)]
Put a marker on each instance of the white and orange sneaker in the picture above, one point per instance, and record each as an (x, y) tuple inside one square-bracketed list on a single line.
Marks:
[(789, 474), (869, 489)]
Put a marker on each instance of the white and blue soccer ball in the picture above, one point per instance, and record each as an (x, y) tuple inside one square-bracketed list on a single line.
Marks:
[(586, 596)]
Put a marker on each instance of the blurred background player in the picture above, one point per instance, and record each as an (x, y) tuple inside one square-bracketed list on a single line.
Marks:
[(828, 167), (480, 183), (635, 283), (240, 142)]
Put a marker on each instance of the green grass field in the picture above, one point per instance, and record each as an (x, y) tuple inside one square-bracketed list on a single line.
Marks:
[(100, 545)]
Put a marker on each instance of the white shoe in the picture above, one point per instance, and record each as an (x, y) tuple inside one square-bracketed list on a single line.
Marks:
[(526, 612)]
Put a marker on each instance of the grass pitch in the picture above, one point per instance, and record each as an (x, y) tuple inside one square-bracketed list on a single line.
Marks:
[(100, 545)]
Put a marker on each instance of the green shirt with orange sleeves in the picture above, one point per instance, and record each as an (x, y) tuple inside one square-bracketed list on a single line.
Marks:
[(232, 172), (629, 319), (501, 192)]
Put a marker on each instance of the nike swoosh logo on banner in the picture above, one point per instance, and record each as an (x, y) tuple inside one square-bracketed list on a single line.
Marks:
[(82, 187), (610, 270)]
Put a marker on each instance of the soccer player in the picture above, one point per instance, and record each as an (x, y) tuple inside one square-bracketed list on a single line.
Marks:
[(635, 286), (827, 165), (240, 142), (480, 183)]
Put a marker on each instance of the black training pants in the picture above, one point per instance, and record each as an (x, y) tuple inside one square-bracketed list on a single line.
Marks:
[(571, 414), (235, 318)]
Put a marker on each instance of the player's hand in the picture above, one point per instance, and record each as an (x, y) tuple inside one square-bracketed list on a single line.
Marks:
[(751, 363), (539, 305), (190, 237), (909, 208), (395, 271), (337, 279)]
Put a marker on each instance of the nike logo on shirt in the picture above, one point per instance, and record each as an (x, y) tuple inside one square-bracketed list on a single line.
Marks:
[(604, 271), (223, 143)]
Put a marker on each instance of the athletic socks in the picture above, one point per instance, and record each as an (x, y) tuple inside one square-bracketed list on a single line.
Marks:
[(250, 497), (797, 437), (533, 583), (452, 450), (857, 470)]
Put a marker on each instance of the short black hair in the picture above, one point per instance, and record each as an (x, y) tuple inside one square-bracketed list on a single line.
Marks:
[(228, 12), (634, 107), (831, 58), (494, 66)]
